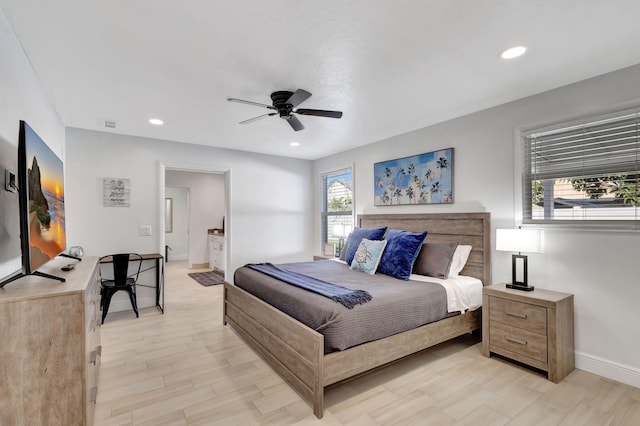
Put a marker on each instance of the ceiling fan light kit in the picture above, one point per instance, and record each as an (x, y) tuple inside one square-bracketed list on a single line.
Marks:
[(284, 103)]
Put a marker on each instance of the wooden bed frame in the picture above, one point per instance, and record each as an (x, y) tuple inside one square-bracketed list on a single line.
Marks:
[(296, 351)]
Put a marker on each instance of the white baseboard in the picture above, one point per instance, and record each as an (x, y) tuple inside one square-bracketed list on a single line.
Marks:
[(173, 257), (609, 369)]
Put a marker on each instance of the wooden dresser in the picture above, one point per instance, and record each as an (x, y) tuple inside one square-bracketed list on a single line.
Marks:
[(534, 328), (50, 350)]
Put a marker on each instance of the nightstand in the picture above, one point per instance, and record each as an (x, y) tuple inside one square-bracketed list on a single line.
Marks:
[(321, 257), (534, 328)]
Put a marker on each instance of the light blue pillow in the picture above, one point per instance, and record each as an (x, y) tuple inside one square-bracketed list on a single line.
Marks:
[(368, 256), (357, 235)]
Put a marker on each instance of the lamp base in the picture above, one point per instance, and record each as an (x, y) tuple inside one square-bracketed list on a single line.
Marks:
[(521, 287)]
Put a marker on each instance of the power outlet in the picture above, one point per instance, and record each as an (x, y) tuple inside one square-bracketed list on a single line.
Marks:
[(10, 181), (144, 231)]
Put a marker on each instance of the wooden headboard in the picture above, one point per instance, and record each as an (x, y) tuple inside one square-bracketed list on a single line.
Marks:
[(472, 229)]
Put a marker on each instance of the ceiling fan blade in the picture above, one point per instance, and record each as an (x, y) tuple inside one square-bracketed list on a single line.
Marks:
[(298, 97), (242, 101), (295, 123), (260, 117), (319, 113)]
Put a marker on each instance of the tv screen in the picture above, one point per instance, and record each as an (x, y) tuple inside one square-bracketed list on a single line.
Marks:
[(41, 186)]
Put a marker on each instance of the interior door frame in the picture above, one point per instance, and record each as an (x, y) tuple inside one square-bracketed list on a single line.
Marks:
[(163, 167)]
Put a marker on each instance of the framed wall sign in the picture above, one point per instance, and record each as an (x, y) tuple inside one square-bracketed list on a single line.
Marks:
[(116, 192)]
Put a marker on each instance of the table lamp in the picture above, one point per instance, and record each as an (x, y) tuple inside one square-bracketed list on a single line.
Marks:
[(339, 231), (520, 240)]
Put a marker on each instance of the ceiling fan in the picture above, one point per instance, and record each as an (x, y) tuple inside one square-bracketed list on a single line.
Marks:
[(284, 103)]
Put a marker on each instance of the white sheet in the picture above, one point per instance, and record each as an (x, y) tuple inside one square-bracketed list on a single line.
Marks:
[(463, 293)]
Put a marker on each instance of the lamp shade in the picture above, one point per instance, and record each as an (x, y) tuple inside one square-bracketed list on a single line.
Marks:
[(520, 240), (338, 230)]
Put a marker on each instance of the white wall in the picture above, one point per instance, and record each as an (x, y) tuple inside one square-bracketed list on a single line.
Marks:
[(269, 197), (21, 98), (206, 209), (178, 238), (597, 267)]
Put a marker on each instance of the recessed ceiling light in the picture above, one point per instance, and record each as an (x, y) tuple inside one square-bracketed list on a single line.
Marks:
[(294, 144), (513, 52), (156, 121)]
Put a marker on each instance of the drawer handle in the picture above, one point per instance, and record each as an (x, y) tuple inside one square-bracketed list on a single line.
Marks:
[(92, 358), (94, 395), (99, 350), (516, 314), (516, 340)]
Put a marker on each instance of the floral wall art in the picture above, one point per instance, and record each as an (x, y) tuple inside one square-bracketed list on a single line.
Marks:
[(420, 179)]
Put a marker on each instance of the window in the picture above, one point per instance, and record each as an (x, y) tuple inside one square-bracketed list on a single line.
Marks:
[(584, 174), (337, 207)]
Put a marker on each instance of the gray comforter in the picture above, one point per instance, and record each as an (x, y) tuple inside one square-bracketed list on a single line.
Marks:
[(396, 306)]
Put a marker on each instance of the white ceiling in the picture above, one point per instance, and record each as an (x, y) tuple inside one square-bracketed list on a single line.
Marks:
[(390, 66)]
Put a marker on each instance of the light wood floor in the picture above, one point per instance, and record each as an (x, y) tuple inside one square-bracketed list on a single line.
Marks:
[(186, 368)]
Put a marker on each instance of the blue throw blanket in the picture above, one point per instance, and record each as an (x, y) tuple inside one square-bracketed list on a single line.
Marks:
[(345, 296)]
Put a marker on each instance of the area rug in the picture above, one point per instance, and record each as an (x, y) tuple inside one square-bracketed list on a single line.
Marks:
[(208, 278)]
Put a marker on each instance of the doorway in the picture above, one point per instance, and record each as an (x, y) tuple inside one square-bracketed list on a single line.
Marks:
[(200, 203)]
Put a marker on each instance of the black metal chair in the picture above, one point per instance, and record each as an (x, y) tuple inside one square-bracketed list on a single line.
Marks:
[(122, 279)]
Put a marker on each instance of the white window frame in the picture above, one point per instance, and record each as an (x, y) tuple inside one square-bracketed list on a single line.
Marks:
[(599, 164), (324, 214)]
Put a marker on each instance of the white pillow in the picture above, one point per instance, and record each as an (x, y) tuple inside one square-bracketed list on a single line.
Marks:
[(460, 257)]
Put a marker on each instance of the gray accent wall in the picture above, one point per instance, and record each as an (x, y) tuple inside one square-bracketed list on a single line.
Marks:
[(598, 267)]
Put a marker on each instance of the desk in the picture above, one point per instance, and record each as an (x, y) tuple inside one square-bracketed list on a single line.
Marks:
[(159, 267)]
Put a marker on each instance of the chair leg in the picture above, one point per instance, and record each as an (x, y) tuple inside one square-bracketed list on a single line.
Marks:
[(107, 294), (134, 300)]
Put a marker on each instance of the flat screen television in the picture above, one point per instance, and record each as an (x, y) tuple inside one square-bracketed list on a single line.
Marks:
[(41, 200)]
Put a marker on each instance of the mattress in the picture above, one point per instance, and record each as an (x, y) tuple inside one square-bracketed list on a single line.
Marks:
[(396, 305)]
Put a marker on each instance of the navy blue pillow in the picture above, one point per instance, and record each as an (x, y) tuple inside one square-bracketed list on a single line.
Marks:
[(356, 238), (401, 252)]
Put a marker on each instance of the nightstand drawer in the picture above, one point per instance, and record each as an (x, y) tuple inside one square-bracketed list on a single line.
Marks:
[(524, 342), (521, 315)]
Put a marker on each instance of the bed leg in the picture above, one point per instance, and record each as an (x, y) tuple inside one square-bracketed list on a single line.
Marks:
[(318, 382), (317, 407), (224, 304)]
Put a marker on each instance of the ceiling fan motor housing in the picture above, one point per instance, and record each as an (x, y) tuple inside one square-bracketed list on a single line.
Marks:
[(279, 100)]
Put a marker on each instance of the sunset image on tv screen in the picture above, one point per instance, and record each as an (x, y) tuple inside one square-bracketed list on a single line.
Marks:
[(46, 200)]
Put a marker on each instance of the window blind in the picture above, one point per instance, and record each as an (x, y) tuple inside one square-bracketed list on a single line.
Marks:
[(586, 173)]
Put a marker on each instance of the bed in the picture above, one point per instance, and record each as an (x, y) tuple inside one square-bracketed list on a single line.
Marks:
[(299, 354)]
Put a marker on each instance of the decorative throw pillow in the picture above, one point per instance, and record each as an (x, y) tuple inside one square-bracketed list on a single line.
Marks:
[(434, 259), (460, 258), (401, 252), (368, 256), (356, 237)]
